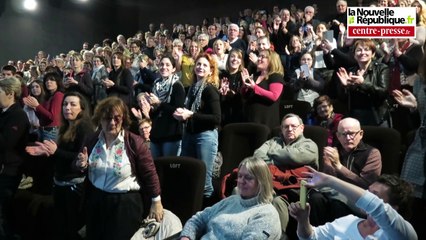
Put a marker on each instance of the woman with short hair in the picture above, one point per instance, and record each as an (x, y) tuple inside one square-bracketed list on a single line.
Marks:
[(119, 168), (14, 132)]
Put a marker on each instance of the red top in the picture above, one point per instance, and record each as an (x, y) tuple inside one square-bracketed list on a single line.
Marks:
[(49, 112)]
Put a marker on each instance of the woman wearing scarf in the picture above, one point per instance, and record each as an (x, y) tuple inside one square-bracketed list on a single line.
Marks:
[(167, 95), (99, 73), (202, 116)]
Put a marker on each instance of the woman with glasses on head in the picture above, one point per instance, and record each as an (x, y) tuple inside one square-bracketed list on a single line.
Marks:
[(68, 183), (119, 168), (263, 90)]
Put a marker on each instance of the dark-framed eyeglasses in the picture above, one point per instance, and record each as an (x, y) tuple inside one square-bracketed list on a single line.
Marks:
[(351, 135)]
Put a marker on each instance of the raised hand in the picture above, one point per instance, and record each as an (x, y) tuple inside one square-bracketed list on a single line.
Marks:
[(31, 102), (405, 98), (38, 150), (137, 113), (343, 76)]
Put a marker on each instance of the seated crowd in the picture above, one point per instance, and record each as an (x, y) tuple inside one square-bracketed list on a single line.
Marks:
[(95, 120)]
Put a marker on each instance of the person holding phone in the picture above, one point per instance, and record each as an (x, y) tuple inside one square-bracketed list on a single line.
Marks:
[(385, 202), (306, 82)]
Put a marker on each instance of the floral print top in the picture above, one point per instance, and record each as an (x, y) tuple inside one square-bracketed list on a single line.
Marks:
[(109, 168)]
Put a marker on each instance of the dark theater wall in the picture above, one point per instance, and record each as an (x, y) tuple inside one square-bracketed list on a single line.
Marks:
[(62, 25)]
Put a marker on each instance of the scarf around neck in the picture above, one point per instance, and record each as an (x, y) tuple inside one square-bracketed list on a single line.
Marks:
[(163, 87), (193, 99)]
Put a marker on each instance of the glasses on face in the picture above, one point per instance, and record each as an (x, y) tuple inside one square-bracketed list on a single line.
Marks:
[(351, 135), (262, 56), (291, 126), (117, 118)]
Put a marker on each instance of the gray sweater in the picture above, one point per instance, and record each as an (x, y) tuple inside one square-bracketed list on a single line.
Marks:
[(302, 151), (235, 218)]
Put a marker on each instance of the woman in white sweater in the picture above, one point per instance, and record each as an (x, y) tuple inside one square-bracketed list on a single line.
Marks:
[(247, 215)]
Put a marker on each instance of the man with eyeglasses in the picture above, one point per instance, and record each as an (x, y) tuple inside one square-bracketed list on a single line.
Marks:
[(352, 161), (289, 150)]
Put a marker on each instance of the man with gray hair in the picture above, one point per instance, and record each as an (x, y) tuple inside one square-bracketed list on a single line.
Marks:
[(352, 161), (290, 149), (234, 40)]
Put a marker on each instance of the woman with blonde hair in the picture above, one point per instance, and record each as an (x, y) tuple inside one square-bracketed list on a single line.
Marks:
[(14, 132), (246, 215), (202, 116), (219, 54), (185, 63), (263, 91)]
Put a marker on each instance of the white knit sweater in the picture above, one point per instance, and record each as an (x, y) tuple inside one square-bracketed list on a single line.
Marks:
[(235, 218)]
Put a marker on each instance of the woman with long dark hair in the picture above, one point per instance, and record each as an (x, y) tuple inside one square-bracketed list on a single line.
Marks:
[(49, 111), (68, 183), (120, 80)]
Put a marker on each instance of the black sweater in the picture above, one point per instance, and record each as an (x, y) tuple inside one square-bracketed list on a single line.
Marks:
[(164, 126), (67, 152), (209, 115), (14, 132)]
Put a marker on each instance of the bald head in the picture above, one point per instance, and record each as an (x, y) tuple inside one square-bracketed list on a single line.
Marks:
[(349, 133)]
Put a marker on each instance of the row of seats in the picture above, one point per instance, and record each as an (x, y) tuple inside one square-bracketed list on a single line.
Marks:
[(182, 178)]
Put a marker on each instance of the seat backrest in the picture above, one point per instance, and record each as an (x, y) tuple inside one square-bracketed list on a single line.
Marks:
[(317, 134), (238, 141), (300, 108), (388, 141), (182, 184)]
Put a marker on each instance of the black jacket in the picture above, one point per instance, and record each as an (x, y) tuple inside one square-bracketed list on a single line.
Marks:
[(14, 133)]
